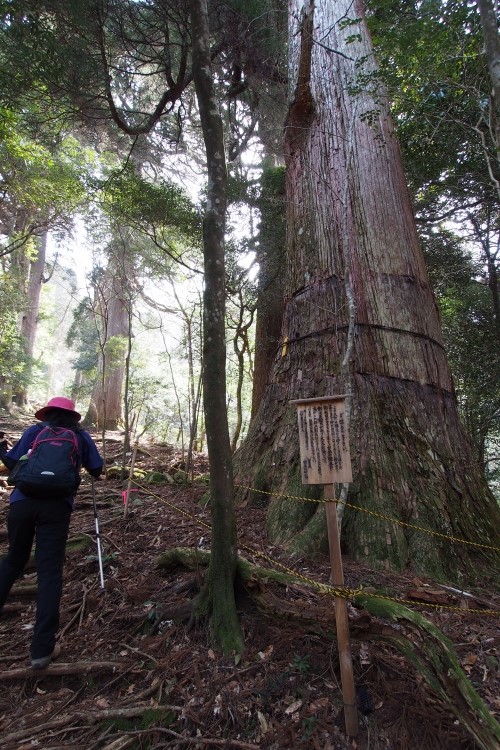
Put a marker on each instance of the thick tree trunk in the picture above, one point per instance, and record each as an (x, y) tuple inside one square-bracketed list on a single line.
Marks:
[(113, 303), (361, 319), (30, 275), (29, 318), (107, 391)]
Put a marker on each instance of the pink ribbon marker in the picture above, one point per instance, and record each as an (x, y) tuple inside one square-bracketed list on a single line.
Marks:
[(124, 495)]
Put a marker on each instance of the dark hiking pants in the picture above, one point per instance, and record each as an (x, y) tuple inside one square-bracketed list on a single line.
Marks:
[(46, 521)]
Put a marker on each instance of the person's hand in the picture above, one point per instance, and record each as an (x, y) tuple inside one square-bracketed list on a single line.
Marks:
[(5, 443)]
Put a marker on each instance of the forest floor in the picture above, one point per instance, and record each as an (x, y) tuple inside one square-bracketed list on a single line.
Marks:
[(131, 677)]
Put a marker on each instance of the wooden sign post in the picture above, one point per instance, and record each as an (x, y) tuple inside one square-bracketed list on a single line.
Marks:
[(325, 459)]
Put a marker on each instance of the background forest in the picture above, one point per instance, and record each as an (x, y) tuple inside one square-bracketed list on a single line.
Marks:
[(101, 213), (101, 290)]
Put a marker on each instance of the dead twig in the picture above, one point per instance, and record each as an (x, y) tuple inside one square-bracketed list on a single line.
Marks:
[(136, 651), (196, 740), (78, 615)]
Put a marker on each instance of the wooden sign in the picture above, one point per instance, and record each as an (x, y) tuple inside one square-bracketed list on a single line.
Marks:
[(324, 441), (325, 459)]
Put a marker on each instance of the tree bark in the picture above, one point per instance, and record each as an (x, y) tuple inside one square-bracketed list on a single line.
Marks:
[(488, 10), (220, 600), (360, 318), (113, 301), (270, 256), (29, 317)]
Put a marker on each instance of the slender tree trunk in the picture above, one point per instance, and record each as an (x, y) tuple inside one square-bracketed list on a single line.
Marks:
[(77, 384), (488, 10), (221, 602), (194, 384), (5, 394), (361, 319), (128, 418), (241, 348)]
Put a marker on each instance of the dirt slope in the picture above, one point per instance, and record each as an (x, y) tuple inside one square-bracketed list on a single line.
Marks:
[(131, 677)]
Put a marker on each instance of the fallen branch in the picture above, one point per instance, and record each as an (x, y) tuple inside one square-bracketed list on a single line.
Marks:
[(26, 589), (86, 717), (78, 667), (77, 616)]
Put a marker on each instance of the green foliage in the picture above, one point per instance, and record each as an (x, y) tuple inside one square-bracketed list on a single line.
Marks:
[(449, 264), (309, 724), (40, 45), (151, 399), (271, 203), (115, 349), (473, 348), (471, 339), (126, 196), (431, 54), (157, 477), (83, 336), (46, 184), (13, 363), (302, 663), (105, 559)]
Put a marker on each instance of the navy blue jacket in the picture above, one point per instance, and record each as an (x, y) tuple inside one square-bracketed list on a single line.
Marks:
[(90, 457)]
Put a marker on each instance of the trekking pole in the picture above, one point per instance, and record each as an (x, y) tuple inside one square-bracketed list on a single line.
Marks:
[(97, 536)]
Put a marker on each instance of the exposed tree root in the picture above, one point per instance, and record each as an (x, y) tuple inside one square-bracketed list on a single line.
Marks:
[(430, 652), (86, 717), (433, 655)]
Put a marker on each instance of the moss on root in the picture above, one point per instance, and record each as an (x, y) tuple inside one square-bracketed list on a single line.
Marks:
[(433, 656), (429, 651)]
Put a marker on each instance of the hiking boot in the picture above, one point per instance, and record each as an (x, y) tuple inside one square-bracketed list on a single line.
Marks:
[(44, 661)]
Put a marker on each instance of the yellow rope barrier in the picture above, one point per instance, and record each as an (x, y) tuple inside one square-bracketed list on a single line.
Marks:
[(345, 593), (378, 515)]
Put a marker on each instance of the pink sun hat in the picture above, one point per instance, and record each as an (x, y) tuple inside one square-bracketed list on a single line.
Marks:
[(58, 402)]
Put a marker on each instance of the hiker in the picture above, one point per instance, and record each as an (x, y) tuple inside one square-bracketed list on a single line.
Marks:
[(44, 515)]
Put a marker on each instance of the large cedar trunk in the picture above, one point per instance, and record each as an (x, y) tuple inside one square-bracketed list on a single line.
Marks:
[(113, 303), (29, 317), (360, 318)]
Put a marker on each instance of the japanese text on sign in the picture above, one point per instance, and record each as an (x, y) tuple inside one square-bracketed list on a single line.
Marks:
[(324, 441)]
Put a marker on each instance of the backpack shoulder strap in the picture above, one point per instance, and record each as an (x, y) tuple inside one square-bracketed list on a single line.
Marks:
[(43, 427), (56, 432)]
